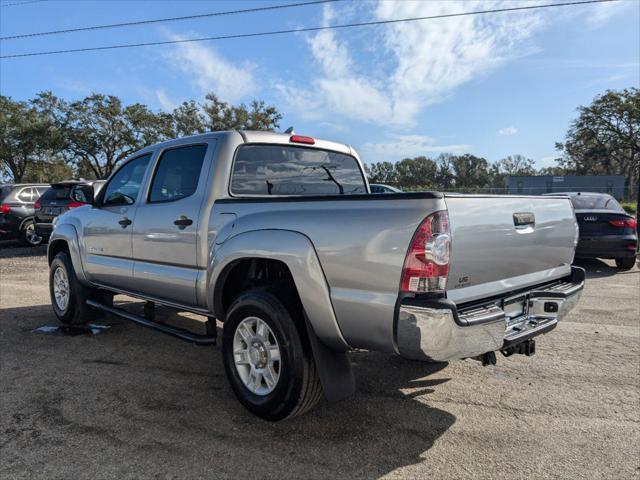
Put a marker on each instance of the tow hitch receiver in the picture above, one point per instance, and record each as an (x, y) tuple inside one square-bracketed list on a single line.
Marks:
[(528, 348)]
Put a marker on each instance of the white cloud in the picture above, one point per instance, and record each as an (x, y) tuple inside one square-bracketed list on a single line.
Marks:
[(600, 13), (212, 72), (508, 131), (164, 101), (547, 161), (402, 146), (425, 61)]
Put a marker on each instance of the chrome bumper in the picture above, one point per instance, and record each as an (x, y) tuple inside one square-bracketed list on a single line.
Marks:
[(437, 330)]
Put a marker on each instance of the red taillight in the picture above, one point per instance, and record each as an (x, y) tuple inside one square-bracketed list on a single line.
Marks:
[(37, 205), (628, 223), (4, 208), (301, 139), (76, 204), (631, 246), (426, 265)]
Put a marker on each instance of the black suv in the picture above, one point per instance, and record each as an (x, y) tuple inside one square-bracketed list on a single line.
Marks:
[(17, 211), (58, 199)]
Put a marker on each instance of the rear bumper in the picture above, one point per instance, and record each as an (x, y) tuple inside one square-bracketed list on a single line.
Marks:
[(44, 229), (607, 246), (436, 330)]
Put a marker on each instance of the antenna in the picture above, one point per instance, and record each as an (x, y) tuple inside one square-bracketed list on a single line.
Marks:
[(289, 131)]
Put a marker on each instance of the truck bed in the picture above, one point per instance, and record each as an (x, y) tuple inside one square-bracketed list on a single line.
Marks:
[(362, 240)]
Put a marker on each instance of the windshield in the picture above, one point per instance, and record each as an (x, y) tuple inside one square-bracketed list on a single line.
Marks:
[(595, 202), (287, 170)]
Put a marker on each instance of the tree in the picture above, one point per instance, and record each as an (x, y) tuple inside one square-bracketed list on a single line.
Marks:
[(100, 132), (191, 118), (49, 171), (187, 119), (511, 165), (554, 171), (382, 172), (516, 165), (470, 171), (605, 138), (28, 135), (445, 178), (222, 116), (414, 172)]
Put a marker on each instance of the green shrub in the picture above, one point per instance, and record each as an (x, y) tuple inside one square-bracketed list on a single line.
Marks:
[(630, 207)]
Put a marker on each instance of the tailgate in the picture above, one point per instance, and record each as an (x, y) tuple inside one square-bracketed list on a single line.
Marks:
[(503, 243)]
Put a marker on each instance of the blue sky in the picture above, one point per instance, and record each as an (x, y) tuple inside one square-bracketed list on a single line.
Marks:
[(492, 85)]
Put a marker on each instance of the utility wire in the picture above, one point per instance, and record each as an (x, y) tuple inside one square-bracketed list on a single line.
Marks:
[(300, 30), (161, 20), (15, 4)]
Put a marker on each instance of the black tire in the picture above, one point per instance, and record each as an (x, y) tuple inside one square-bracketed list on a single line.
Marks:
[(76, 311), (625, 263), (27, 237), (298, 388)]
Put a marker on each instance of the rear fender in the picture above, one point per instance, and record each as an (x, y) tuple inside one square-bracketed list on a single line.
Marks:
[(297, 252)]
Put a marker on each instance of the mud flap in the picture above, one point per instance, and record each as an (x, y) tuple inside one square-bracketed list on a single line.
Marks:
[(334, 369)]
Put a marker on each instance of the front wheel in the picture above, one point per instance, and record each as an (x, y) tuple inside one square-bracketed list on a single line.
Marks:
[(68, 295), (625, 263), (267, 357), (28, 235)]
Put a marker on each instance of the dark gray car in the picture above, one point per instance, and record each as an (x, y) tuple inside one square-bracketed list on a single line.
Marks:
[(17, 212)]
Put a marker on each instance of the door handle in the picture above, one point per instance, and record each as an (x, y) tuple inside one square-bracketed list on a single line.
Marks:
[(125, 222), (183, 222)]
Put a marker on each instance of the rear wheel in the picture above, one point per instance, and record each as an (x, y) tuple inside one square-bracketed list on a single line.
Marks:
[(28, 234), (625, 263), (68, 295), (267, 357)]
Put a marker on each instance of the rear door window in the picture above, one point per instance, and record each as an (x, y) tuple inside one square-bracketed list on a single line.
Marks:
[(287, 170), (177, 174)]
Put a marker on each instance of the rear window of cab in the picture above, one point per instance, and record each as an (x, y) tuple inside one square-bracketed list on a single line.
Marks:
[(264, 170)]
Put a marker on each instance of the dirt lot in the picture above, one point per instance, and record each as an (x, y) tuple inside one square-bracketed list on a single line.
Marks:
[(132, 403)]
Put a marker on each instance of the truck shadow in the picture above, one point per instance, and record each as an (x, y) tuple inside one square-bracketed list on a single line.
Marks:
[(134, 395), (11, 249)]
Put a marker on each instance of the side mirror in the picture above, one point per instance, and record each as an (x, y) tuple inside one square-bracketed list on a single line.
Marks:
[(118, 198), (83, 194)]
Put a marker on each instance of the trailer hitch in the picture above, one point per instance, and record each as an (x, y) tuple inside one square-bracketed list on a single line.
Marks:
[(528, 348)]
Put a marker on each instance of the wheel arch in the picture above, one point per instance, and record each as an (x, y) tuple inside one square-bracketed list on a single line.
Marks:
[(25, 220), (65, 238)]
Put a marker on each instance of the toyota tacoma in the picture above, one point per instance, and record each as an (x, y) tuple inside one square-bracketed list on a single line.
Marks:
[(278, 237)]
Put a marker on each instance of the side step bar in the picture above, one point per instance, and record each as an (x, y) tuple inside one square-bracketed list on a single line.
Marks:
[(160, 327)]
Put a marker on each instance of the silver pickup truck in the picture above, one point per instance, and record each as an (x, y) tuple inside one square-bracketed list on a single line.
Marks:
[(278, 237)]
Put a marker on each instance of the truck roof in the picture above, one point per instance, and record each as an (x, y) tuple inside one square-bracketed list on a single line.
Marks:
[(255, 136)]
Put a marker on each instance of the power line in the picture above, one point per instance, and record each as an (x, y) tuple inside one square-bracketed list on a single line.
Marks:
[(15, 4), (300, 30), (161, 20)]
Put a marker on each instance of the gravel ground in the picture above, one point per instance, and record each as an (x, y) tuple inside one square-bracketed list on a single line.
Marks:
[(131, 403)]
